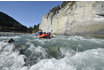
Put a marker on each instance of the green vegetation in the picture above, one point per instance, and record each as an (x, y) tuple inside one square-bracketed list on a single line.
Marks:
[(64, 4), (8, 24), (55, 9), (36, 28), (30, 30), (33, 29)]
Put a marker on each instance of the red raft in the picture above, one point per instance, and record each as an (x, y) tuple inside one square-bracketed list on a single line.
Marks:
[(44, 36)]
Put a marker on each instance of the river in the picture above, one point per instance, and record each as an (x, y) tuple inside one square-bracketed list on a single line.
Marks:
[(60, 53)]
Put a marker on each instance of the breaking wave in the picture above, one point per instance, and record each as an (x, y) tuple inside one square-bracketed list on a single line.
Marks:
[(60, 53)]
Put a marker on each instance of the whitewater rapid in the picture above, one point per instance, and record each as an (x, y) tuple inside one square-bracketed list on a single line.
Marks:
[(60, 53)]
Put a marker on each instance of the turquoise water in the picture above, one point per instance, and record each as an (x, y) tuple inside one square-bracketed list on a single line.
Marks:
[(60, 53)]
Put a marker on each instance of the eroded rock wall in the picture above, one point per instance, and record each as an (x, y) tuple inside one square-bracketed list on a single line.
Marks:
[(84, 17)]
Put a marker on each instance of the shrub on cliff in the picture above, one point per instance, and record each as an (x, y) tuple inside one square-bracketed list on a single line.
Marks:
[(65, 3), (55, 9)]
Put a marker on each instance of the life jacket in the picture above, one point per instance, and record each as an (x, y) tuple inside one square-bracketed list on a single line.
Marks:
[(40, 33)]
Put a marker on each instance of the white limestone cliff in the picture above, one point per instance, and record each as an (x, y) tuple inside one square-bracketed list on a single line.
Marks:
[(83, 17)]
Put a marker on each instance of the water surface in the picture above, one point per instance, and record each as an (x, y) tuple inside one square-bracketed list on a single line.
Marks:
[(60, 53)]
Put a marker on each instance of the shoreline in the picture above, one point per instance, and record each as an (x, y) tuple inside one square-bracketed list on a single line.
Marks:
[(10, 33), (16, 33)]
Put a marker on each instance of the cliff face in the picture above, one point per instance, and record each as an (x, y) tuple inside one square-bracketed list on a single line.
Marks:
[(76, 18)]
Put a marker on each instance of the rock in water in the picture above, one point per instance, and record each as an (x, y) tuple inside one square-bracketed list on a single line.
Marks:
[(10, 40)]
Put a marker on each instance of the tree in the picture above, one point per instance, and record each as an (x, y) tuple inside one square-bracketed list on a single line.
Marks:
[(7, 23), (55, 9), (36, 28), (30, 30), (64, 4)]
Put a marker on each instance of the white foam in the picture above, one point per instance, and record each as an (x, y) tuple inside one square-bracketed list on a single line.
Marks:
[(91, 59), (9, 59), (51, 64), (6, 37), (67, 51), (24, 68), (37, 49), (80, 38), (87, 60)]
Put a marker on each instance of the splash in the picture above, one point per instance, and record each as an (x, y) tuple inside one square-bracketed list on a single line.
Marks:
[(60, 53)]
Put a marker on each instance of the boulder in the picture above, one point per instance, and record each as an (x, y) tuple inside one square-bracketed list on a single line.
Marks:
[(11, 40)]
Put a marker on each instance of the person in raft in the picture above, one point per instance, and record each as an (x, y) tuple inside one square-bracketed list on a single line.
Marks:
[(51, 35), (39, 33), (45, 35)]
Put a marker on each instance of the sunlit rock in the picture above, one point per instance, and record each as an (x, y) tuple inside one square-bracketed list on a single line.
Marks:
[(76, 18)]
